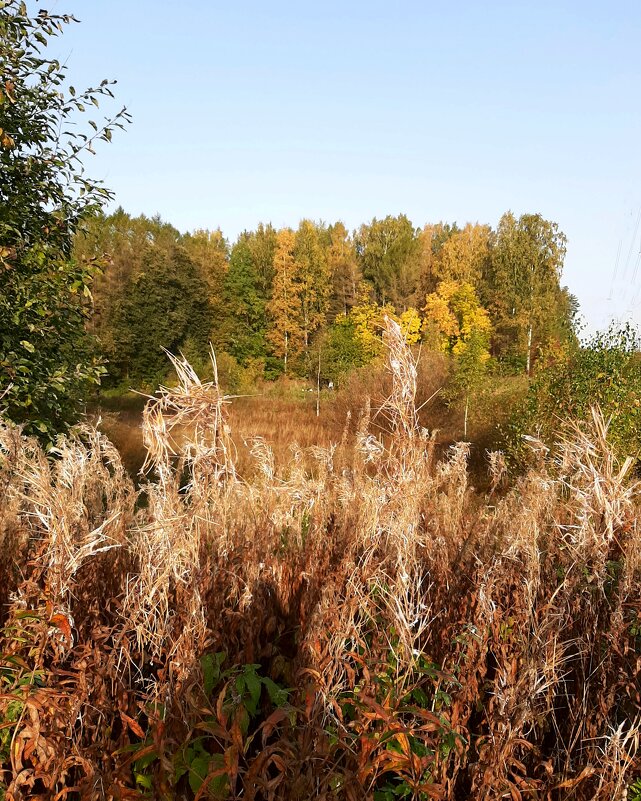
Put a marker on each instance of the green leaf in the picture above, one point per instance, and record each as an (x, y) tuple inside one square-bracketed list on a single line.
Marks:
[(253, 684), (277, 695), (198, 770)]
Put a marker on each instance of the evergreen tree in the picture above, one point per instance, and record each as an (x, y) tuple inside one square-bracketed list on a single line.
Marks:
[(209, 250), (116, 243), (344, 271), (243, 327), (163, 306)]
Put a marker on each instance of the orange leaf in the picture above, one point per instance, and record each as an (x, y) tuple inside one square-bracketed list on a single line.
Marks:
[(272, 721), (61, 622), (133, 725)]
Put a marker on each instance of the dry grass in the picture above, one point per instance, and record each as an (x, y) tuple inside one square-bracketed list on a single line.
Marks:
[(279, 420), (436, 643)]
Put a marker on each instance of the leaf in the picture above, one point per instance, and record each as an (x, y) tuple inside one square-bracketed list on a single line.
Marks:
[(198, 769), (133, 725), (61, 622), (216, 779), (276, 717), (210, 674), (277, 695), (253, 684)]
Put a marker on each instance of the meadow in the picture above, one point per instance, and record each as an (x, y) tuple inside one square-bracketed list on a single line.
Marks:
[(349, 618)]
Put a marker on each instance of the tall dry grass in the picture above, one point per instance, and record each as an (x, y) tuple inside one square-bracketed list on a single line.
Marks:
[(356, 623)]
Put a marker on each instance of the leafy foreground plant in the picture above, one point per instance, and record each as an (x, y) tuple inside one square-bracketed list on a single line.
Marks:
[(369, 629)]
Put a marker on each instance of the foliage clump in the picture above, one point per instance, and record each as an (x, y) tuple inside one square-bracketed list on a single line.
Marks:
[(604, 370), (46, 360)]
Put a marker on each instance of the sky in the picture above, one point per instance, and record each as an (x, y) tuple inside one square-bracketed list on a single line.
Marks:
[(247, 111)]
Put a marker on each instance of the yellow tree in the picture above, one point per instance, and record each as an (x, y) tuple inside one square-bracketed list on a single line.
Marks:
[(430, 242), (312, 276), (455, 322), (285, 333), (367, 318), (465, 255), (411, 323)]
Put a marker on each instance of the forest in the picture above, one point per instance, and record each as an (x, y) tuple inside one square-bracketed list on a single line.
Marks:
[(274, 299), (284, 599)]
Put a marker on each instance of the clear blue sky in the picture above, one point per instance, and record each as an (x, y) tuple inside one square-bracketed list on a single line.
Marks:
[(274, 111)]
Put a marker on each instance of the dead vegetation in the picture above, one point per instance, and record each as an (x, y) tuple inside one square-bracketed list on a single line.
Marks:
[(370, 628)]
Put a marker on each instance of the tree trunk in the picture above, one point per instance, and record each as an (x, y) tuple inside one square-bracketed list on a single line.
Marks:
[(318, 384), (528, 360), (467, 405), (286, 343)]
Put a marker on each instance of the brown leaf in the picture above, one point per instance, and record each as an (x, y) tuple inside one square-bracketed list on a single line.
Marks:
[(133, 725)]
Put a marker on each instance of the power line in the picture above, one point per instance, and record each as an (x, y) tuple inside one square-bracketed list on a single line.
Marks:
[(616, 268), (632, 241)]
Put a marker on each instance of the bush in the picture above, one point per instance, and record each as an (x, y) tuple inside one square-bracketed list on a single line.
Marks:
[(604, 371)]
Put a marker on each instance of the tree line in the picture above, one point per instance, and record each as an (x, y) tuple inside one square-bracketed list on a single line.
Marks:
[(284, 301)]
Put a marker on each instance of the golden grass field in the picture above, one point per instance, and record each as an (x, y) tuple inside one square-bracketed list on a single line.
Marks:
[(346, 619)]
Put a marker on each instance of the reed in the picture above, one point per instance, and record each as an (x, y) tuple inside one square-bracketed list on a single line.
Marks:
[(353, 622)]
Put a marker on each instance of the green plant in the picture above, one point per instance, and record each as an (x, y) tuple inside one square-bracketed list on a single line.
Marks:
[(396, 719), (602, 371), (46, 359), (220, 738), (634, 791)]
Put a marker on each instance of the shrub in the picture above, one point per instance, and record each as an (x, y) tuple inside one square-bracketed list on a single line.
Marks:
[(604, 371)]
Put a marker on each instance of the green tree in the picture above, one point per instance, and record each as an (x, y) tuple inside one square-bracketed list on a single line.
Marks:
[(344, 271), (118, 243), (163, 306), (244, 325), (522, 289), (46, 359), (388, 251), (209, 250), (343, 349), (262, 245)]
